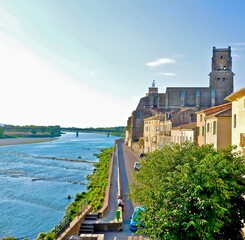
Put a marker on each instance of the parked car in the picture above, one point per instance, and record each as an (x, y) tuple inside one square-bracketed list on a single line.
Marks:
[(142, 155), (136, 220), (136, 166)]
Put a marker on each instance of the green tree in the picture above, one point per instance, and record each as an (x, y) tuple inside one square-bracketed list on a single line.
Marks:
[(1, 132), (191, 192), (34, 131)]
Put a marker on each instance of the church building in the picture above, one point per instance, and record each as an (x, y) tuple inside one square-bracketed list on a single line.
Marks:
[(177, 98)]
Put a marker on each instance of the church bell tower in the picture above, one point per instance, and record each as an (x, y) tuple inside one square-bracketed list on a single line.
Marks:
[(221, 76)]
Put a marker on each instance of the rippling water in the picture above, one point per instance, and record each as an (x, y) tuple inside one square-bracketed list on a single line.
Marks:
[(34, 185)]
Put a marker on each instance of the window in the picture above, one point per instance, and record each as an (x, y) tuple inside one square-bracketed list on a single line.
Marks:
[(198, 131), (182, 98), (208, 127), (203, 129), (201, 118), (242, 139), (234, 121), (214, 127)]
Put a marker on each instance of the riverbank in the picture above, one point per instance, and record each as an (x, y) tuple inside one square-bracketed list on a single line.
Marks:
[(16, 141), (44, 201)]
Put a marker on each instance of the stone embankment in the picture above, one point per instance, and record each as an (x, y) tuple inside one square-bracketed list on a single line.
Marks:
[(107, 220)]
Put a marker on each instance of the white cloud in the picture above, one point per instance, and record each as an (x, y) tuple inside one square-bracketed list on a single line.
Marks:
[(166, 74), (239, 44), (237, 57), (160, 61)]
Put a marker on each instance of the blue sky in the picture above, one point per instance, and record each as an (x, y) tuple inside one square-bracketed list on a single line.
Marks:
[(87, 63)]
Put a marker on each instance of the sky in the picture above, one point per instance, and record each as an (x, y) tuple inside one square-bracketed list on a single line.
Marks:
[(87, 63)]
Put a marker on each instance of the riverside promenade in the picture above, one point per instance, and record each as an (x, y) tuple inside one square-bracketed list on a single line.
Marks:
[(107, 215), (107, 226)]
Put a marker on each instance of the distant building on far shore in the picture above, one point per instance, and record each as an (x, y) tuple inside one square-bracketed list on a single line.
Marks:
[(177, 98)]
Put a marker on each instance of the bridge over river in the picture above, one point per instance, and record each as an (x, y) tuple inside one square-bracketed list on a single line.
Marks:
[(92, 130), (40, 129)]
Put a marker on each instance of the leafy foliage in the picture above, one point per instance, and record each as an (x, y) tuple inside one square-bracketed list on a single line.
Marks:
[(1, 132), (30, 131), (192, 192), (95, 196), (114, 131), (96, 186)]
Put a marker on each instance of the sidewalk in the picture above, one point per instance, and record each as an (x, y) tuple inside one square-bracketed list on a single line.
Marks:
[(110, 214)]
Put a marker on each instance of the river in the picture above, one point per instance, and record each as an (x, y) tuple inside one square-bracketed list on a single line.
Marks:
[(37, 178)]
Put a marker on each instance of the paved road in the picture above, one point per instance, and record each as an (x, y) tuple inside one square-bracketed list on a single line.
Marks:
[(126, 160)]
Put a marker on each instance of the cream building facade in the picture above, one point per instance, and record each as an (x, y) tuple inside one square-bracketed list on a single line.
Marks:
[(183, 133), (238, 119), (153, 131), (214, 126), (157, 129)]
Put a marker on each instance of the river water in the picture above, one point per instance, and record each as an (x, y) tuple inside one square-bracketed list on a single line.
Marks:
[(34, 185)]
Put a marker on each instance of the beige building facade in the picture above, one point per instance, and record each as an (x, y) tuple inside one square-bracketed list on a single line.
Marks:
[(238, 119), (153, 131), (157, 129), (214, 126), (183, 133)]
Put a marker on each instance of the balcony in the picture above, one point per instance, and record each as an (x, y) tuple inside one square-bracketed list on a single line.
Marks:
[(167, 133)]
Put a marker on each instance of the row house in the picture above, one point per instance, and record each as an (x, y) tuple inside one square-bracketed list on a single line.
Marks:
[(153, 130), (183, 133), (237, 100), (221, 126), (214, 126), (157, 129)]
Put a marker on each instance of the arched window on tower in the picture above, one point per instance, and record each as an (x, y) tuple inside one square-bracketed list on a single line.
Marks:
[(182, 99)]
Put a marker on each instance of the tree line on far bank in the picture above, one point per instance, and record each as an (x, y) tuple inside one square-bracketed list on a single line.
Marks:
[(11, 131)]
